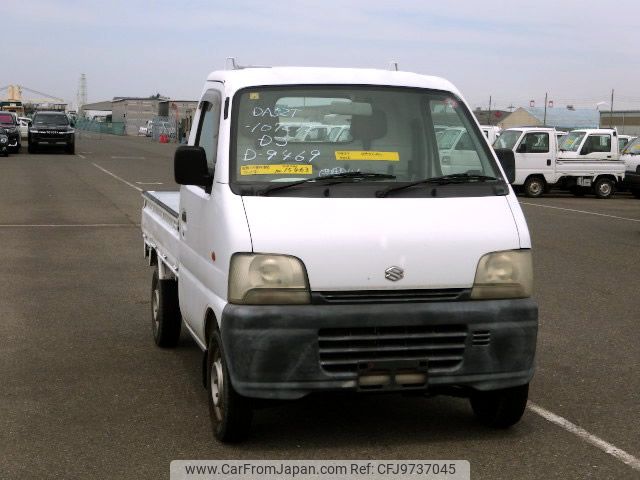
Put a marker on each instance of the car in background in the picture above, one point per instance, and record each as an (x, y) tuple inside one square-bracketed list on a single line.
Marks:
[(9, 126), (51, 129), (24, 124)]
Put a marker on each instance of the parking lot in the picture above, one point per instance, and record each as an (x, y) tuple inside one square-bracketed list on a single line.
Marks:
[(86, 394)]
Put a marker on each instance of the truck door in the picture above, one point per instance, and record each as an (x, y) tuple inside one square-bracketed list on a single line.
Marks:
[(197, 221), (597, 146), (534, 155)]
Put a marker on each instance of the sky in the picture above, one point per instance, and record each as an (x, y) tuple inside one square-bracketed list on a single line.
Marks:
[(513, 52)]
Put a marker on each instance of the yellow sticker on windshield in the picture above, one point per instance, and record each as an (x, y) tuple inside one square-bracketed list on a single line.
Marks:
[(254, 96), (367, 155), (276, 169)]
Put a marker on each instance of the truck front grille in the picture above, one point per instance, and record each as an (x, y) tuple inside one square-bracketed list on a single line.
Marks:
[(342, 350), (390, 296)]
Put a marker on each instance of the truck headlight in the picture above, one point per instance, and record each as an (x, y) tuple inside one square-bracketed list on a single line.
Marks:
[(263, 279), (507, 274)]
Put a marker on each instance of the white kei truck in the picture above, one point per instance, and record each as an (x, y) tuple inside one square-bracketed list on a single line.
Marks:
[(349, 264), (584, 161)]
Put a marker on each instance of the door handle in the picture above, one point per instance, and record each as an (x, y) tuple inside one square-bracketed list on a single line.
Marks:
[(608, 156), (184, 216), (548, 162)]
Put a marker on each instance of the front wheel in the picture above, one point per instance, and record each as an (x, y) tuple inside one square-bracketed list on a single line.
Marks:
[(500, 408), (635, 193), (165, 312), (31, 148), (70, 149), (534, 187), (604, 188), (230, 412)]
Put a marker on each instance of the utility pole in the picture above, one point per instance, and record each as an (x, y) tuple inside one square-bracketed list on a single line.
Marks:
[(611, 112), (489, 109), (544, 122), (82, 93)]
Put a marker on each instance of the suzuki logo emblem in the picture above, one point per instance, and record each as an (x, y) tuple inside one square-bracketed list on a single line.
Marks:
[(394, 274)]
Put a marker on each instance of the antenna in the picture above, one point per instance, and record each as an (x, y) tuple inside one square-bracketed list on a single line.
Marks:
[(394, 65)]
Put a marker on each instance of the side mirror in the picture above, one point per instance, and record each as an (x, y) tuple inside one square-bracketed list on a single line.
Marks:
[(190, 166), (508, 162)]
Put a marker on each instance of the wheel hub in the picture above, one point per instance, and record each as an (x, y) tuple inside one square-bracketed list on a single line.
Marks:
[(217, 384), (155, 305), (605, 188)]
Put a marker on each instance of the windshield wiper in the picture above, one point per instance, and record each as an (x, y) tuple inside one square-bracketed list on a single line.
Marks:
[(348, 176), (443, 180)]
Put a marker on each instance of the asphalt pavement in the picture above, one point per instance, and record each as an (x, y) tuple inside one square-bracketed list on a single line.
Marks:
[(86, 394)]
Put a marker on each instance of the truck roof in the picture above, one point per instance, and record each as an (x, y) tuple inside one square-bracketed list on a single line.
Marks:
[(528, 129), (594, 130), (248, 77)]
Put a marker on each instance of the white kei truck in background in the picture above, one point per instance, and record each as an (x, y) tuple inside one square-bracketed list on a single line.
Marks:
[(585, 161), (631, 157), (349, 264)]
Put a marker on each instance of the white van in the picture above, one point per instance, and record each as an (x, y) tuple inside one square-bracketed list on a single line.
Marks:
[(360, 262)]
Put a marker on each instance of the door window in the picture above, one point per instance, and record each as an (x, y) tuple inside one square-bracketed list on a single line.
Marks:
[(207, 136), (535, 142), (598, 143)]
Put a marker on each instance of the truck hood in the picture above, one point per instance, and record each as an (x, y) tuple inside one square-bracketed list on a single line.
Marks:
[(348, 243)]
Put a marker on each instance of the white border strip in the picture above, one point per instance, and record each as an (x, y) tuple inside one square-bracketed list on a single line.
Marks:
[(597, 442), (117, 177), (68, 225), (581, 211)]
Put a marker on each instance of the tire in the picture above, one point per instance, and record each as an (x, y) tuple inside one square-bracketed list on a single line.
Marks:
[(604, 188), (70, 149), (31, 148), (230, 412), (534, 187), (165, 312), (635, 193), (500, 408)]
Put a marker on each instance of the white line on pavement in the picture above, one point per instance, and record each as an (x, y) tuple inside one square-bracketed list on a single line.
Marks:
[(127, 158), (82, 156), (149, 183), (116, 177), (606, 447), (68, 225), (582, 211)]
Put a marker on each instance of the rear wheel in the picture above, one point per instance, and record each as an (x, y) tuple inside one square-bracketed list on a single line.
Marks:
[(604, 188), (534, 187), (165, 312), (230, 412), (500, 408)]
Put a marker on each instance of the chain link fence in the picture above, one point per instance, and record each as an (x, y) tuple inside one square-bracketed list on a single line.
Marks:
[(111, 128)]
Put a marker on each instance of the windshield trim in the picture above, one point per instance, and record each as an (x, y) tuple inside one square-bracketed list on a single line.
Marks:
[(251, 187)]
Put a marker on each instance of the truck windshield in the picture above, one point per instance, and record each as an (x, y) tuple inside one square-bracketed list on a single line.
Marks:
[(571, 142), (632, 148), (507, 140), (287, 134), (60, 119)]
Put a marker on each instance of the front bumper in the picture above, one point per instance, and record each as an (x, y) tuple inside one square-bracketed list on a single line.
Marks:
[(280, 351), (52, 140)]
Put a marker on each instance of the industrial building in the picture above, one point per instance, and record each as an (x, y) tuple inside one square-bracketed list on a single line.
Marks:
[(626, 121)]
